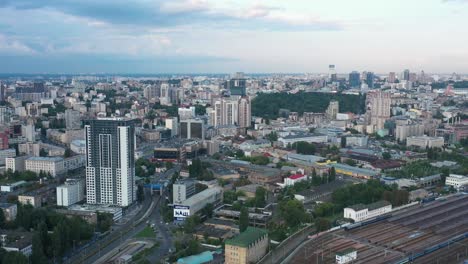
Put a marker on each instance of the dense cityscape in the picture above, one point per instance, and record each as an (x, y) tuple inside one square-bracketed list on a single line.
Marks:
[(233, 132), (234, 168)]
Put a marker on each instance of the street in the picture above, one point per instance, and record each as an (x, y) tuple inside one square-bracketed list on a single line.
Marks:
[(150, 211)]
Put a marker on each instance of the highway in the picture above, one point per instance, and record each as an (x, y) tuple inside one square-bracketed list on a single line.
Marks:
[(94, 250)]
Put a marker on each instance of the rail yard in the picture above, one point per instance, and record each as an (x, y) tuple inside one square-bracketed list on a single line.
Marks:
[(436, 232)]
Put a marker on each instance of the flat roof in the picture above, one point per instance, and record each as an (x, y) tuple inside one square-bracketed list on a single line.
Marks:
[(201, 196), (248, 237)]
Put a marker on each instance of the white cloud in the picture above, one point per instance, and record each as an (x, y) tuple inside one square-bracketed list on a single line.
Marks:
[(14, 47)]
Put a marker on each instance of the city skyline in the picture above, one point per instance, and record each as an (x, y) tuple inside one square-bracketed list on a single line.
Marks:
[(197, 36)]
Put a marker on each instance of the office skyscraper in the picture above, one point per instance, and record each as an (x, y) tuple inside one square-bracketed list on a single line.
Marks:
[(406, 75), (332, 73), (110, 161), (237, 85), (354, 79), (370, 79)]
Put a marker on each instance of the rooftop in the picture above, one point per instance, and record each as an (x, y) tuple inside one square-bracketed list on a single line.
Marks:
[(370, 207), (296, 176), (45, 158), (248, 237)]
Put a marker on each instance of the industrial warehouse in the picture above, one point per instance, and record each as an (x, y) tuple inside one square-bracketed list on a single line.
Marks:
[(434, 232)]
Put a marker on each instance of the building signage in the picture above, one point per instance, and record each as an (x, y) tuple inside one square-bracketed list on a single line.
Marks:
[(181, 212)]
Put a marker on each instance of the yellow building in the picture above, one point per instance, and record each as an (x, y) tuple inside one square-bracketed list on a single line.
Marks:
[(248, 247)]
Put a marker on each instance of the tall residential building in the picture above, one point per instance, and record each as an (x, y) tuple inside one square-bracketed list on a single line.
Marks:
[(391, 77), (164, 96), (152, 91), (333, 110), (226, 112), (72, 119), (354, 79), (244, 112), (110, 161), (378, 108)]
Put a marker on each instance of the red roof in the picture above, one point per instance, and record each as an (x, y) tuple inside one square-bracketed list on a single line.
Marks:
[(296, 176)]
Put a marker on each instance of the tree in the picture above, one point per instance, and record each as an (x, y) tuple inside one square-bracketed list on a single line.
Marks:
[(38, 256), (2, 219), (343, 142), (322, 224), (68, 153), (190, 223), (260, 197), (243, 219), (303, 147), (292, 212), (43, 153), (273, 136), (208, 210), (332, 174), (386, 156), (169, 165)]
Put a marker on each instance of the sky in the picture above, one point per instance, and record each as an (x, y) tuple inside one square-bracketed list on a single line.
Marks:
[(224, 36)]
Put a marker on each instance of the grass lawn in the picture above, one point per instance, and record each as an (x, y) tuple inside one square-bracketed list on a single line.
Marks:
[(146, 233)]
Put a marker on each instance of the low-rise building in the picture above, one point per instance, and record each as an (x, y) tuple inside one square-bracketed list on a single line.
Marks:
[(248, 247), (17, 241), (346, 256), (11, 187), (6, 153), (197, 202), (35, 200), (9, 211), (78, 146), (425, 142), (15, 163), (116, 212), (51, 165), (361, 212), (458, 182), (71, 192), (293, 179), (354, 171)]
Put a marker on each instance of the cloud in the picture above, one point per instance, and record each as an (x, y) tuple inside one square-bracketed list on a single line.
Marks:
[(9, 45), (161, 13)]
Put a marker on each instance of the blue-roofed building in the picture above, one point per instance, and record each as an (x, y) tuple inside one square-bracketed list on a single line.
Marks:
[(203, 257)]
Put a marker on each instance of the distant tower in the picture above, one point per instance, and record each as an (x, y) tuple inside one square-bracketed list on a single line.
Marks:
[(391, 77), (332, 110), (237, 85), (354, 79), (332, 73), (406, 75), (370, 79)]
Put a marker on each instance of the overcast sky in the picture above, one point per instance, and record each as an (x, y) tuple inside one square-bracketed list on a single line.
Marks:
[(214, 36)]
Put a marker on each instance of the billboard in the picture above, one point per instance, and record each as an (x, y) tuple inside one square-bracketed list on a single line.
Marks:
[(181, 212)]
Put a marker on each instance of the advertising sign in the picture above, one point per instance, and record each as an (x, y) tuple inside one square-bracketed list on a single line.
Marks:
[(181, 212)]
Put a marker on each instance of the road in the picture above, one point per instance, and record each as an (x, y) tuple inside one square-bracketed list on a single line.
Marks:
[(149, 212)]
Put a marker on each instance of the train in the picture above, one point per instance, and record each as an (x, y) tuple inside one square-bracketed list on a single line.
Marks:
[(367, 222), (429, 250)]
